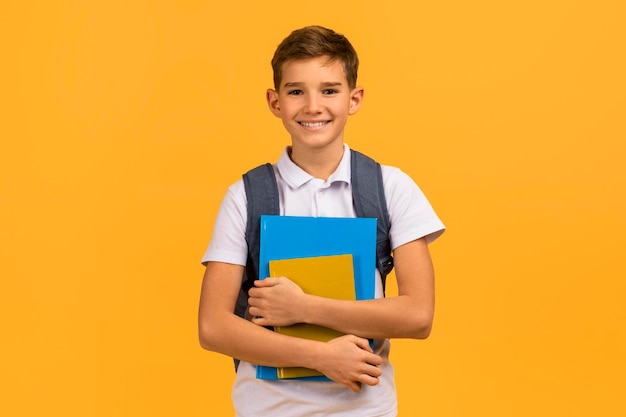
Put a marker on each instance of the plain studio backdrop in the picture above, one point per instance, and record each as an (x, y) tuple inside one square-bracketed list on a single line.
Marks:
[(124, 122)]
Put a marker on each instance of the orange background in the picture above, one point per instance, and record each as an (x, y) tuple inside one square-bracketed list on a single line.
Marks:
[(123, 123)]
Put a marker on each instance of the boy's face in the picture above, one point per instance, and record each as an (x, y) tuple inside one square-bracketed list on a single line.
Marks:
[(314, 101)]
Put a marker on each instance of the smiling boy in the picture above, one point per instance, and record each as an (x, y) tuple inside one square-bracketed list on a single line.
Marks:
[(315, 91), (314, 101)]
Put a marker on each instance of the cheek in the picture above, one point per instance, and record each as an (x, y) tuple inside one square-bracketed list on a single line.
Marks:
[(287, 124), (342, 111), (288, 112)]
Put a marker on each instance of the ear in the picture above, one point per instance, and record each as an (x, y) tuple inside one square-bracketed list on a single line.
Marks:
[(272, 102), (356, 98)]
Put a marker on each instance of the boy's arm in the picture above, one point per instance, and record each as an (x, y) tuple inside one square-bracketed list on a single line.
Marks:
[(347, 360), (280, 302)]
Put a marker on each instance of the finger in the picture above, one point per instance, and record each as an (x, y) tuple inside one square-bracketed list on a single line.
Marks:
[(354, 386), (375, 361), (258, 291), (267, 282), (256, 301), (257, 313), (261, 321), (363, 344), (373, 371), (369, 380)]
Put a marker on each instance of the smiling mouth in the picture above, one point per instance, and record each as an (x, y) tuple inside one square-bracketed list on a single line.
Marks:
[(314, 124)]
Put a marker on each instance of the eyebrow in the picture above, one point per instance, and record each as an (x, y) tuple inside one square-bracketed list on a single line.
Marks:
[(324, 84)]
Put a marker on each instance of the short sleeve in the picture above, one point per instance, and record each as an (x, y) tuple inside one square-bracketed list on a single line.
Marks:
[(411, 214), (228, 242)]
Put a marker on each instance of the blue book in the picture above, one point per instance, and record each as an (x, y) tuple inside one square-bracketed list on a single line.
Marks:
[(291, 237)]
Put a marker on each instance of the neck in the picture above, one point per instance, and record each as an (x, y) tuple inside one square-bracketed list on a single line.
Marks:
[(319, 163)]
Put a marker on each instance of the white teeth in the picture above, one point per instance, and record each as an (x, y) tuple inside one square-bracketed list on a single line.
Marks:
[(312, 124)]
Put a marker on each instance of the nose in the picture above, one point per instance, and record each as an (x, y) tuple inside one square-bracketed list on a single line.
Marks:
[(312, 104)]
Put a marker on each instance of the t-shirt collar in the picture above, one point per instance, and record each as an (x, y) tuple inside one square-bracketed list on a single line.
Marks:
[(295, 176)]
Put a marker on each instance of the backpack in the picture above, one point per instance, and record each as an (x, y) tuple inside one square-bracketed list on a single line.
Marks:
[(368, 197)]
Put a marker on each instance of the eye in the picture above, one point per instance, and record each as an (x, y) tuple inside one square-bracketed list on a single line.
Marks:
[(329, 91), (294, 92)]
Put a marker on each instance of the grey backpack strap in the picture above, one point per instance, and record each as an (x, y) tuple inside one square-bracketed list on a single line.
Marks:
[(262, 198), (368, 195)]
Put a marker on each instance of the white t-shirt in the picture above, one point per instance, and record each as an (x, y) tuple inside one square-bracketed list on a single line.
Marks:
[(411, 217)]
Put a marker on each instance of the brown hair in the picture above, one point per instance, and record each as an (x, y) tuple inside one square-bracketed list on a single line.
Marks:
[(313, 42)]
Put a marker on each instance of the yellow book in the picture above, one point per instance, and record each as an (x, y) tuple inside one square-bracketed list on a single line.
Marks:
[(325, 276)]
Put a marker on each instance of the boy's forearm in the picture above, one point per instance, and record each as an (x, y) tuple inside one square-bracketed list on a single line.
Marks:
[(410, 314), (222, 331), (399, 316), (236, 337)]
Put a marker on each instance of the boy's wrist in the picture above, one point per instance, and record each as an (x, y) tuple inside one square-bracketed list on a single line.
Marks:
[(307, 308), (315, 356)]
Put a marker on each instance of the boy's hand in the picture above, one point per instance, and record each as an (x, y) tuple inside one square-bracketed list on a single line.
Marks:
[(276, 302), (349, 360)]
